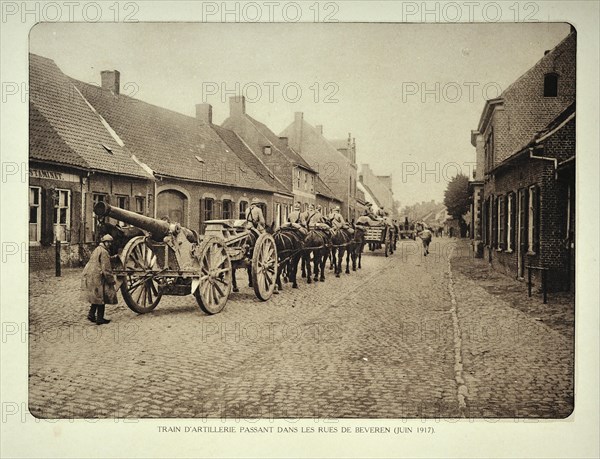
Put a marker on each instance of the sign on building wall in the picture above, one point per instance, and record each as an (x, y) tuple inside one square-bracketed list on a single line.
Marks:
[(53, 175)]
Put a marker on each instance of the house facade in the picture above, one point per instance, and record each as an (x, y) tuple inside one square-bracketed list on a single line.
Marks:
[(523, 202), (336, 170), (275, 153), (74, 161), (198, 175)]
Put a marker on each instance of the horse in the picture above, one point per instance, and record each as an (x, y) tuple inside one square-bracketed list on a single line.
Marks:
[(317, 242), (341, 240), (289, 242), (357, 246)]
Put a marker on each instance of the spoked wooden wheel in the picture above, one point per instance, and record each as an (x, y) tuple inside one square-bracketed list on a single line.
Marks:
[(264, 266), (140, 289), (215, 276)]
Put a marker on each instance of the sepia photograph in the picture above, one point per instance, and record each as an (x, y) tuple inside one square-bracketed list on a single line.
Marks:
[(294, 227)]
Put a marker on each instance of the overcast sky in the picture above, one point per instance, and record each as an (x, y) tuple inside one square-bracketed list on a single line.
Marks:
[(366, 79)]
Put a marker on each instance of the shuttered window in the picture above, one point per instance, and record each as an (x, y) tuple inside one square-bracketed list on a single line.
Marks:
[(494, 222), (35, 214), (533, 220), (62, 215), (510, 221)]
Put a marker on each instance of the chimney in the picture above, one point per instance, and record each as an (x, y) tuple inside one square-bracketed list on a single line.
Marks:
[(284, 140), (319, 128), (204, 113), (111, 80), (237, 106)]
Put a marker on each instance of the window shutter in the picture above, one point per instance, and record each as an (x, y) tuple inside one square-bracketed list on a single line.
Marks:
[(494, 222), (537, 220), (47, 216), (201, 217), (218, 210), (76, 232), (501, 223), (89, 218), (525, 226), (483, 222), (513, 219)]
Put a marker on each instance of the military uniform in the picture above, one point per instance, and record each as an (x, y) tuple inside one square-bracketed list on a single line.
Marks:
[(256, 218), (337, 221)]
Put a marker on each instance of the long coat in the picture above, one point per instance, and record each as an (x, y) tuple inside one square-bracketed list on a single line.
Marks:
[(98, 280)]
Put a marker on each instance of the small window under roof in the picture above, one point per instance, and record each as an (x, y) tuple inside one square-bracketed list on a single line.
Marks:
[(199, 159), (107, 148)]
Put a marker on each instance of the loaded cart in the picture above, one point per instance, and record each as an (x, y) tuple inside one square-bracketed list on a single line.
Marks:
[(172, 260), (378, 236)]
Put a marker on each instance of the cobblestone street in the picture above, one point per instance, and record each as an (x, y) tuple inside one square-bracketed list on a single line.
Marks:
[(406, 336)]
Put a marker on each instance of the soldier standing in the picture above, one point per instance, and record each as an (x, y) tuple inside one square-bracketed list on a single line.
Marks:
[(98, 281), (256, 217)]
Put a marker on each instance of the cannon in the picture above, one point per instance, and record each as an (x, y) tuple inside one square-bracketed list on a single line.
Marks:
[(169, 259)]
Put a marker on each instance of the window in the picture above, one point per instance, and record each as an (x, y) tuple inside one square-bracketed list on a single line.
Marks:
[(312, 183), (550, 85), (298, 178), (208, 210), (305, 181), (62, 215), (501, 223), (96, 198), (122, 202), (227, 209), (494, 221), (243, 207), (278, 215), (35, 214), (267, 150), (140, 205)]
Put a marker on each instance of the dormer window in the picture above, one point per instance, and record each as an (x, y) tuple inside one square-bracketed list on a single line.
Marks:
[(267, 150), (550, 85)]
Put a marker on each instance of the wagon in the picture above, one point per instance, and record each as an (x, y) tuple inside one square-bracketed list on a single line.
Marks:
[(378, 236), (173, 260)]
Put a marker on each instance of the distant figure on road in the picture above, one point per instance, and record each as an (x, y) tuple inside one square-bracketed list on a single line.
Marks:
[(98, 281), (425, 236)]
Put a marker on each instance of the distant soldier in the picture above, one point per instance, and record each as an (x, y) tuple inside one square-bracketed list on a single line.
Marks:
[(381, 212), (255, 216), (314, 217), (425, 235)]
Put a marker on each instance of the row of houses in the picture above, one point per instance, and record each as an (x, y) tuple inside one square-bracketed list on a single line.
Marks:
[(523, 189), (92, 143)]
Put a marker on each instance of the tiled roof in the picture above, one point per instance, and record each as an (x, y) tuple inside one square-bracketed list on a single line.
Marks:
[(76, 135), (286, 150), (246, 155), (170, 143), (46, 145)]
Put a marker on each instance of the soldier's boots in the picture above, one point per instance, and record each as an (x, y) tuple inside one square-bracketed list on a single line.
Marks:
[(92, 314), (100, 320)]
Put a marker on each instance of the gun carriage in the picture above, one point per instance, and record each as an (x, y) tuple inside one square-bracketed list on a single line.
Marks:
[(172, 260)]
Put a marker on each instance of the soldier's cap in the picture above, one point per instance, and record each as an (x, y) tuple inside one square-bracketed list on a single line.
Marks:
[(336, 208), (106, 238)]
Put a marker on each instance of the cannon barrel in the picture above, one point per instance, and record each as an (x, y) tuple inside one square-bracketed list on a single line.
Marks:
[(157, 228)]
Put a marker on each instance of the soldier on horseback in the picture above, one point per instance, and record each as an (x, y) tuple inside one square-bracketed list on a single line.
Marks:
[(297, 219), (255, 216)]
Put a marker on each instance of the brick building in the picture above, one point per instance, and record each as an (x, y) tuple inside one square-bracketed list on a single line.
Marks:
[(274, 152), (198, 176), (523, 202), (337, 170), (75, 160)]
